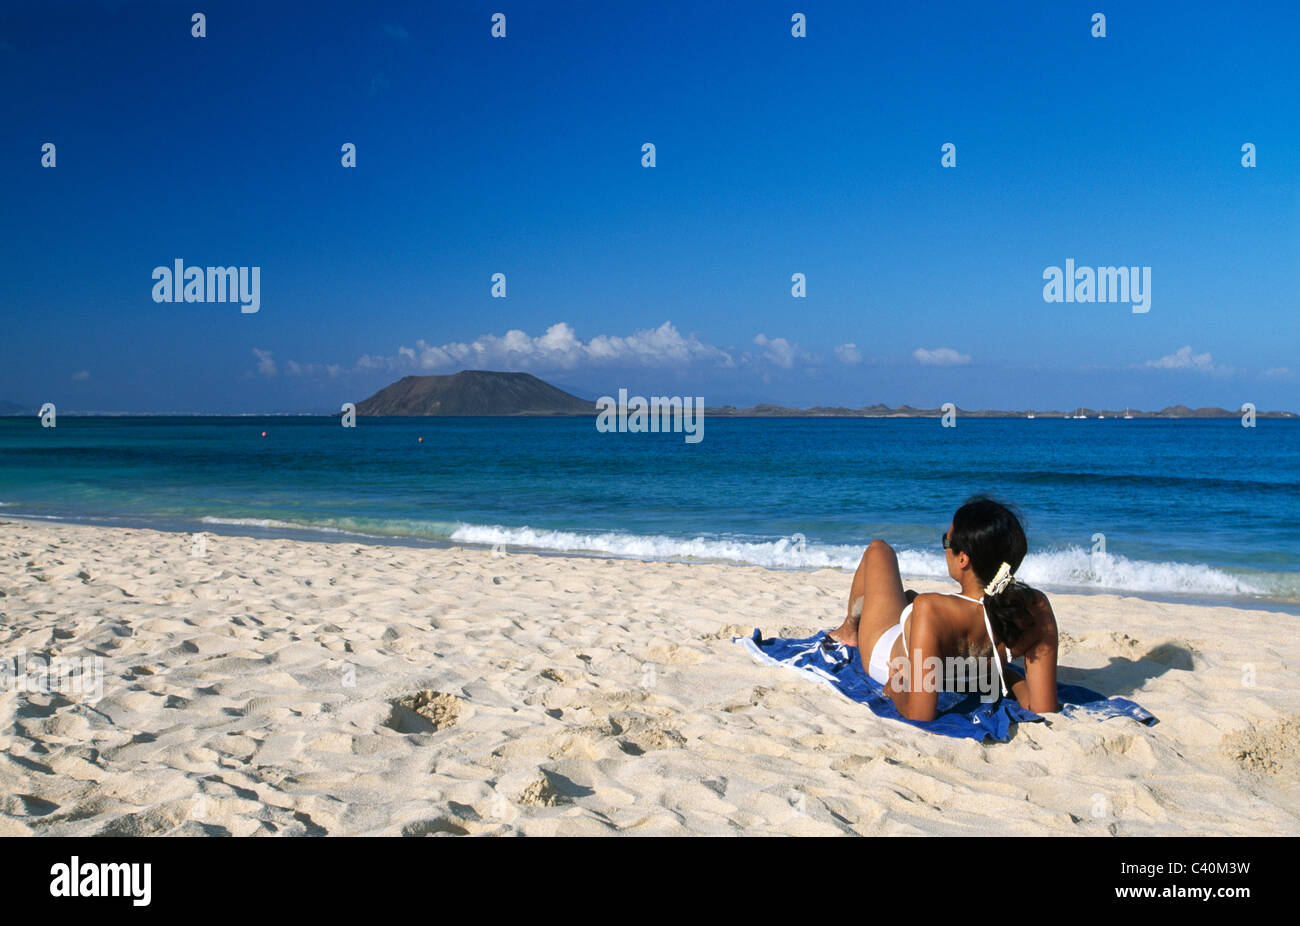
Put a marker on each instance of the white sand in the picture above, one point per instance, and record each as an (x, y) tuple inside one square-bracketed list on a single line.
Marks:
[(579, 696)]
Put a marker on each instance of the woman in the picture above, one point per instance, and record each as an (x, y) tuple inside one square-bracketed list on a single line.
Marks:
[(898, 631)]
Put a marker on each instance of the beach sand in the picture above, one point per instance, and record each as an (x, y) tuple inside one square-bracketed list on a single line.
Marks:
[(290, 687)]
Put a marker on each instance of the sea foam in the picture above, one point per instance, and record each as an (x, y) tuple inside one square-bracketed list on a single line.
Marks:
[(1068, 568), (1073, 567)]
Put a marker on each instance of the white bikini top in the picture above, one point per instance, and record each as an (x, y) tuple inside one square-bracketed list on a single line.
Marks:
[(997, 660)]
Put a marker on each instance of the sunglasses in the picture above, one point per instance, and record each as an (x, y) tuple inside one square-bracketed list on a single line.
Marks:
[(946, 544)]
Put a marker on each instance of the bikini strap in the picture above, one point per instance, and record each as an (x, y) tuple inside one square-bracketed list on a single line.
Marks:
[(997, 660)]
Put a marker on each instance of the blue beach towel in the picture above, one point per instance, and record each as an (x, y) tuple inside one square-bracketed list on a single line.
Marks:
[(963, 715)]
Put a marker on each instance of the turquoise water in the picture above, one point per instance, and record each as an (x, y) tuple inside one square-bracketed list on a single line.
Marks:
[(1200, 507)]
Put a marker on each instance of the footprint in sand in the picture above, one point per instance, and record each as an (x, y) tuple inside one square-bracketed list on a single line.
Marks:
[(729, 632), (755, 700), (552, 789), (637, 735), (1268, 750), (424, 712)]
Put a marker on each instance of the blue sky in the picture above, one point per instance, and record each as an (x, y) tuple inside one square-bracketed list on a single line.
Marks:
[(775, 155)]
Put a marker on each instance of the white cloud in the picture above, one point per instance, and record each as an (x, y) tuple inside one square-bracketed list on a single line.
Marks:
[(293, 368), (780, 351), (848, 353), (265, 363), (559, 348), (1281, 373), (940, 357), (1184, 359), (81, 376)]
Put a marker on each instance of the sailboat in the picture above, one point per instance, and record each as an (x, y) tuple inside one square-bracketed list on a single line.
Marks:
[(1030, 415), (1127, 413)]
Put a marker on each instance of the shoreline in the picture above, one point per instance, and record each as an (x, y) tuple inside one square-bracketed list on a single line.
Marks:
[(337, 535), (295, 687)]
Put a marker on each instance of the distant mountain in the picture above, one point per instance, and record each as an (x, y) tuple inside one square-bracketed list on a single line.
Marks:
[(473, 392), (490, 394)]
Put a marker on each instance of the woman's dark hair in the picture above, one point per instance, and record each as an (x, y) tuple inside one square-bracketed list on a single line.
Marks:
[(990, 534)]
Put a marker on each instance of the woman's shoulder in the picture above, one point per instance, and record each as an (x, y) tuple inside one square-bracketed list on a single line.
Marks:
[(938, 603), (927, 599)]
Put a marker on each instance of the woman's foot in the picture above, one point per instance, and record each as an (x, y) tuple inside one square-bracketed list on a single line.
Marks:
[(840, 635), (847, 632)]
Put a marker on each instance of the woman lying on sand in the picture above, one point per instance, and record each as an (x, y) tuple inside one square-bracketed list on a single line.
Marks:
[(984, 546)]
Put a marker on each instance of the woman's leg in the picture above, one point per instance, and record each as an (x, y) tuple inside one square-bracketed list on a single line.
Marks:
[(876, 597)]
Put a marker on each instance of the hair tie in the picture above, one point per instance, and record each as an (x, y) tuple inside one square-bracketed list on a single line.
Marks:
[(1000, 581)]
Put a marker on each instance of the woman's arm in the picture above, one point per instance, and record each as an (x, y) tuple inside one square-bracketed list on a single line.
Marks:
[(914, 690), (1038, 690)]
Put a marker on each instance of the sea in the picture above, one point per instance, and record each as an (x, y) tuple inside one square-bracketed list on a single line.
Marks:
[(1164, 508)]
